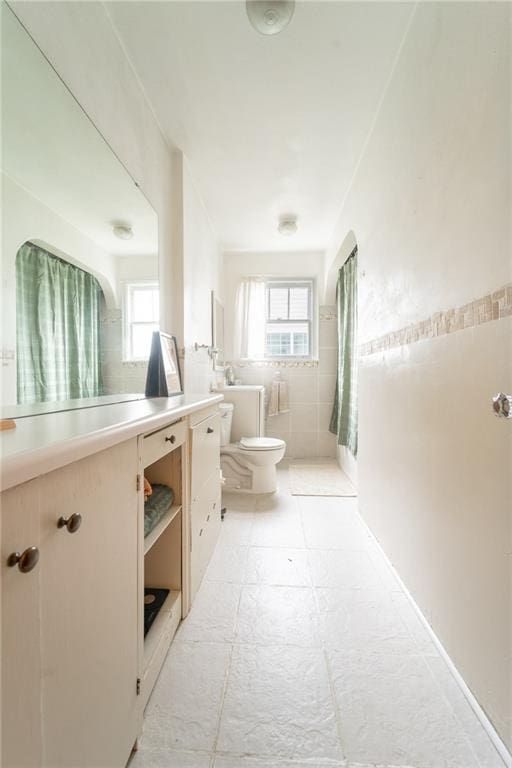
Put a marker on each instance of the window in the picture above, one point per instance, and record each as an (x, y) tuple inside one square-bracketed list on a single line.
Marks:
[(288, 329), (141, 318)]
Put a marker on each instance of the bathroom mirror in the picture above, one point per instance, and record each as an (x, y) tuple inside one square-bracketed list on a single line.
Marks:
[(217, 332), (79, 262)]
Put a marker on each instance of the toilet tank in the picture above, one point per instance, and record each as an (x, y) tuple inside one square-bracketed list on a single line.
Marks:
[(226, 418), (249, 410)]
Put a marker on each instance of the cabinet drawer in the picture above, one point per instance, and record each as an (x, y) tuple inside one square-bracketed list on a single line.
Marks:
[(205, 452), (164, 441)]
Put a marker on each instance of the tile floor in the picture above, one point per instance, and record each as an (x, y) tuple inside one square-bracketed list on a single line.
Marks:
[(302, 650)]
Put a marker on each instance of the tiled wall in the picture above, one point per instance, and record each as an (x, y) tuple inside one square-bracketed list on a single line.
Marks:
[(118, 376), (492, 306), (311, 393)]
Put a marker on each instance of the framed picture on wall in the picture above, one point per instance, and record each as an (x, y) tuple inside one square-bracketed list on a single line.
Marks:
[(164, 375)]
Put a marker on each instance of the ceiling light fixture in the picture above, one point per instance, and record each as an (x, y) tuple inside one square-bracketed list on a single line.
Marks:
[(287, 225), (270, 16), (122, 231)]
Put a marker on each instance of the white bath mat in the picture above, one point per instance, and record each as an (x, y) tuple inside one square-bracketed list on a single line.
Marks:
[(325, 478)]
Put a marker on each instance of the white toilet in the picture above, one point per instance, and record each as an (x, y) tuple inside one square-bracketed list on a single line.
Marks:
[(249, 464)]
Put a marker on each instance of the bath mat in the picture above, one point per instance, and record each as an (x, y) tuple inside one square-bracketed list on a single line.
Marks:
[(319, 479)]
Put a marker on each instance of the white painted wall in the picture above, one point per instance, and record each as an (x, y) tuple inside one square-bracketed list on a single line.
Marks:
[(201, 263), (430, 208)]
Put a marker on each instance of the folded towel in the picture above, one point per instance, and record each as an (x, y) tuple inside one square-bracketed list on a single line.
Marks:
[(283, 397), (156, 506), (278, 401)]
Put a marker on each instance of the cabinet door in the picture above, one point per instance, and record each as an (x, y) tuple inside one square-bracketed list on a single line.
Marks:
[(205, 447), (21, 662), (89, 611)]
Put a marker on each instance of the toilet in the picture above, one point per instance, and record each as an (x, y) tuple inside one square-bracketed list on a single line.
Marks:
[(249, 464)]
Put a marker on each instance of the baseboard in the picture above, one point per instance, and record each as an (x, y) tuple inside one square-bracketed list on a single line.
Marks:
[(489, 728)]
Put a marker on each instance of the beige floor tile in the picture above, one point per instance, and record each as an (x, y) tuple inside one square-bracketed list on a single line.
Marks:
[(184, 708), (278, 567), (392, 712), (277, 616), (213, 614), (279, 703)]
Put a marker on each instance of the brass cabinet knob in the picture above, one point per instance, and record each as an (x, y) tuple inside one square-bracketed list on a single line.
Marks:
[(26, 561), (72, 523)]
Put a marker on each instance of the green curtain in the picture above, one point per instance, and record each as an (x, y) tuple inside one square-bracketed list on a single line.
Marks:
[(57, 328), (344, 412)]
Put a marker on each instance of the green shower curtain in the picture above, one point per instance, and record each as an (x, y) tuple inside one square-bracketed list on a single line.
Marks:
[(344, 413), (57, 328)]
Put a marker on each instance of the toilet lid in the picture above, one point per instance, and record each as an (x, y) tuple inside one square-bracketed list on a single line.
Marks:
[(261, 443)]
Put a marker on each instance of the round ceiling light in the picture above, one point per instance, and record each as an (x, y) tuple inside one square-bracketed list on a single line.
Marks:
[(122, 231), (287, 225), (270, 16)]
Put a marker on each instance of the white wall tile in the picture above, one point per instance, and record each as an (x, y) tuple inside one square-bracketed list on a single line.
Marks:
[(303, 445), (303, 388), (328, 334), (326, 387), (328, 359), (304, 417), (327, 445), (324, 416)]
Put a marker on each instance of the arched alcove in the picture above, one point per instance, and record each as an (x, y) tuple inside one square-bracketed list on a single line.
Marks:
[(109, 293)]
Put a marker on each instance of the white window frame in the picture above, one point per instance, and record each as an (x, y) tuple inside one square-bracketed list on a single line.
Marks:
[(129, 287), (298, 282)]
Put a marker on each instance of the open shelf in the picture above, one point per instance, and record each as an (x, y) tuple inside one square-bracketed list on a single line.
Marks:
[(160, 527), (170, 610)]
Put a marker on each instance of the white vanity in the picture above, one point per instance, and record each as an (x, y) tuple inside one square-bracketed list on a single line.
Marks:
[(77, 670)]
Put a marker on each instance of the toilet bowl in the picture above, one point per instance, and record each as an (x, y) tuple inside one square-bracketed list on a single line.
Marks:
[(249, 465)]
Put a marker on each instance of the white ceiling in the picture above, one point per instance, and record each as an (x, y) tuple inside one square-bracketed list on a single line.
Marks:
[(270, 124)]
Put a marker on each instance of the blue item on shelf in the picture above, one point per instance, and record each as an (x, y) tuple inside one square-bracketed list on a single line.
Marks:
[(156, 506)]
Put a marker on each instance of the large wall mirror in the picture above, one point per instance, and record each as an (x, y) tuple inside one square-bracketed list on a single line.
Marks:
[(79, 262)]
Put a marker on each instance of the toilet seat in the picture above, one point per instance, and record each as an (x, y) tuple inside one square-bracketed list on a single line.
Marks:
[(261, 444)]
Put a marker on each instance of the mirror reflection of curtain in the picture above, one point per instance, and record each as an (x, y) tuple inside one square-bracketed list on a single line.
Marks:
[(57, 328), (344, 412), (250, 319)]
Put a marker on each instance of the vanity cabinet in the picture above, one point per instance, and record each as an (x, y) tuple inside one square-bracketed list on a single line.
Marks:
[(77, 668), (69, 650)]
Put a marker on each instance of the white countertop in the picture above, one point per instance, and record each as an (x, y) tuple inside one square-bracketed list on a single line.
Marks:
[(42, 443)]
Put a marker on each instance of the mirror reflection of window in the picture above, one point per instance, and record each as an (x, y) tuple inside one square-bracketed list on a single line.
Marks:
[(57, 328), (141, 318)]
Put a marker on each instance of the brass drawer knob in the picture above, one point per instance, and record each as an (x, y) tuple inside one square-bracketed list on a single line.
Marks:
[(26, 561), (72, 523)]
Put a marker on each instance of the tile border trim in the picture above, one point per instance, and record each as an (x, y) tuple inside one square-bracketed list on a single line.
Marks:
[(276, 363), (492, 306)]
